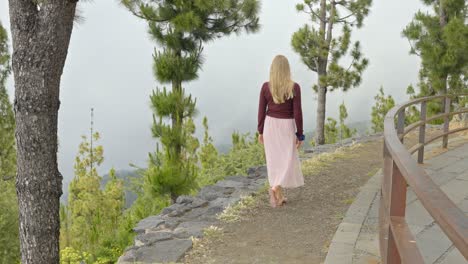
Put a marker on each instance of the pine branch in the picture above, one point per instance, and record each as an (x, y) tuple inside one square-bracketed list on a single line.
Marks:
[(413, 49), (343, 19), (314, 13)]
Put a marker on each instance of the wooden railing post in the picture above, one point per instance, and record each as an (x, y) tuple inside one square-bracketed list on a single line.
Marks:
[(401, 125), (446, 121), (393, 198), (394, 204), (384, 217), (422, 132)]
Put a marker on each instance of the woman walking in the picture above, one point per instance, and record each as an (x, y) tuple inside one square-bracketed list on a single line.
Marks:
[(280, 129)]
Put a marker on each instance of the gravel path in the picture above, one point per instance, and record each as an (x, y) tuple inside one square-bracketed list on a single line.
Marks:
[(300, 231)]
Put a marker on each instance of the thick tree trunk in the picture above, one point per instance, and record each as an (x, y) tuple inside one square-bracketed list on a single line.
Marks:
[(41, 34)]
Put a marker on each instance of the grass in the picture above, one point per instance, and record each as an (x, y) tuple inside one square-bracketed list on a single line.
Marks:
[(213, 232), (317, 163), (233, 213), (348, 201), (339, 216), (373, 172)]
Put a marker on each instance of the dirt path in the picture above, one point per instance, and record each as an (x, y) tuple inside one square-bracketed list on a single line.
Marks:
[(300, 231)]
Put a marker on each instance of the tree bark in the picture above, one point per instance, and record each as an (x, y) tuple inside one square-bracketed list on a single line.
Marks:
[(41, 32), (321, 107), (326, 35)]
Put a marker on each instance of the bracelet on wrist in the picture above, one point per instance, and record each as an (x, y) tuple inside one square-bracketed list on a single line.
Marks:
[(300, 137)]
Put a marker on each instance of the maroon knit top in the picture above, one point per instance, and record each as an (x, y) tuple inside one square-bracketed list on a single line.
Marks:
[(290, 109)]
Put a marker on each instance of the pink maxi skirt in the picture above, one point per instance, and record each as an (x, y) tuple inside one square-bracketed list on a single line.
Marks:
[(282, 158)]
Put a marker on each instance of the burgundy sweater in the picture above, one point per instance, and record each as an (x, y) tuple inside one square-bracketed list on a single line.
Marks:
[(290, 109)]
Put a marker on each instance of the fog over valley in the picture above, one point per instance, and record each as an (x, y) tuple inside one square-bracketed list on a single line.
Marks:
[(110, 68)]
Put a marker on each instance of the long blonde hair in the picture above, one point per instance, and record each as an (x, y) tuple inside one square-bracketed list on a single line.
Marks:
[(281, 85)]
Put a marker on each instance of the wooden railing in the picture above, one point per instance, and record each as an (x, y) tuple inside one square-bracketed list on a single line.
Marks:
[(397, 243)]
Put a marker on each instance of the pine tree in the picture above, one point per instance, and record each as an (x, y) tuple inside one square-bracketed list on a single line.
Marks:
[(208, 152), (440, 39), (336, 131), (382, 105), (321, 49), (85, 197), (412, 113), (331, 131), (9, 237), (345, 131), (181, 28), (91, 221)]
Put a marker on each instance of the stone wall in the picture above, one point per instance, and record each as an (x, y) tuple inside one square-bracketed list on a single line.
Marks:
[(166, 237)]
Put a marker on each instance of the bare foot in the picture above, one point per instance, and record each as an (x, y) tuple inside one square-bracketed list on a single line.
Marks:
[(273, 199), (279, 196)]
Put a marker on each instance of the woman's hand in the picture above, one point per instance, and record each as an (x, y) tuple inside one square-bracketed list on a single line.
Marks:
[(260, 138), (298, 143)]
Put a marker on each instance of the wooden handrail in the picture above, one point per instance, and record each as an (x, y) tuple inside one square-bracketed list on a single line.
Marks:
[(397, 244)]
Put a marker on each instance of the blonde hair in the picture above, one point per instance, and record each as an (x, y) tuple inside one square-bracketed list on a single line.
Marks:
[(281, 85)]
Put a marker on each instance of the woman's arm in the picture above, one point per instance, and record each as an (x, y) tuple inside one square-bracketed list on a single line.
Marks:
[(262, 105), (297, 108)]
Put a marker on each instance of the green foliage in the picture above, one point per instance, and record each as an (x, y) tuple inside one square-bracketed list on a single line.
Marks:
[(9, 237), (440, 39), (70, 255), (91, 224), (246, 152), (208, 152), (345, 131), (412, 113), (334, 131), (331, 131), (383, 104)]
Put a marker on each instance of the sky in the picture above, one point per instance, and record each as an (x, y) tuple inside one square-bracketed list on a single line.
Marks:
[(109, 68)]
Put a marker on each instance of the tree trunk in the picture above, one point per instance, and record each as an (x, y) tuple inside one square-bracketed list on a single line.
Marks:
[(41, 34), (321, 107), (442, 15), (177, 117), (326, 35)]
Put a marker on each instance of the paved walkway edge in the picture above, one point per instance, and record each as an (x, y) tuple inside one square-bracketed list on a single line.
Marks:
[(341, 248)]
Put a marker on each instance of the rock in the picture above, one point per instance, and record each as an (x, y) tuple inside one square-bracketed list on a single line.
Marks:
[(238, 178), (250, 190), (212, 192), (148, 223), (128, 257), (150, 238), (176, 213), (178, 209), (165, 238), (197, 202), (219, 202), (166, 210), (230, 184), (196, 213), (169, 224), (191, 229), (257, 172), (163, 251), (184, 199), (214, 210)]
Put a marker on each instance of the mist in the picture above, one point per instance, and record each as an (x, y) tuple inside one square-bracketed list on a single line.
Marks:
[(109, 68)]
